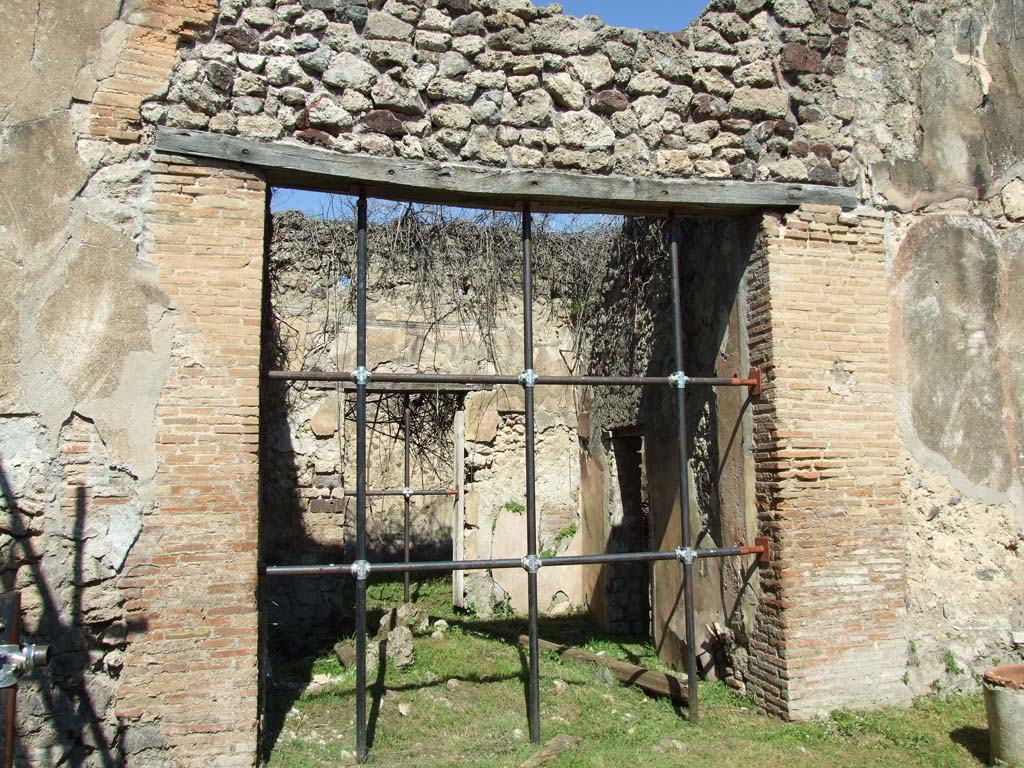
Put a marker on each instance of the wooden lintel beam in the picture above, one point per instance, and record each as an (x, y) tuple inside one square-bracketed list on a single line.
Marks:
[(302, 166)]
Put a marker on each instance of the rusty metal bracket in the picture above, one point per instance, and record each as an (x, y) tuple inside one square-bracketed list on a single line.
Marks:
[(754, 383), (764, 557)]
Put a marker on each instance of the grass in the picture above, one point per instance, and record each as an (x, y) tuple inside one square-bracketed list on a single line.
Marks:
[(478, 720)]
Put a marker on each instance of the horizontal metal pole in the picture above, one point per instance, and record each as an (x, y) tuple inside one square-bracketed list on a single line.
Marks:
[(401, 492), (759, 549), (468, 378)]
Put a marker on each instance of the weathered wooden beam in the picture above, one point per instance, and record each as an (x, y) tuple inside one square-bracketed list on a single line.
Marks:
[(648, 681), (298, 165)]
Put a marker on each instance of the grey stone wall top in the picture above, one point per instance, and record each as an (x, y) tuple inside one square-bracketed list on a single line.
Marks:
[(742, 93)]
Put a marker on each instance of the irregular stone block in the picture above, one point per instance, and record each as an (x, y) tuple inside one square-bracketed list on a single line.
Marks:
[(797, 57), (647, 82), (385, 26), (584, 130), (451, 116), (384, 121), (760, 102), (388, 94), (240, 38), (534, 108), (607, 102), (443, 89), (561, 34), (452, 64), (565, 91), (260, 127), (350, 71), (391, 53), (595, 72)]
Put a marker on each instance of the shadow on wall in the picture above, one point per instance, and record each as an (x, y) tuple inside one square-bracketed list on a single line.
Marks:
[(61, 691), (634, 331)]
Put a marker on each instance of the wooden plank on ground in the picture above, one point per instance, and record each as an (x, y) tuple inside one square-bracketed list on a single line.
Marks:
[(647, 680), (298, 165)]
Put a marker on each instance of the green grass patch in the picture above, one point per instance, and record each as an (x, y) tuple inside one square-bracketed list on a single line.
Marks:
[(463, 703)]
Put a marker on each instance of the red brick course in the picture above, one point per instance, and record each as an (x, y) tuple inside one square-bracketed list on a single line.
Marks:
[(144, 66), (190, 582), (827, 462)]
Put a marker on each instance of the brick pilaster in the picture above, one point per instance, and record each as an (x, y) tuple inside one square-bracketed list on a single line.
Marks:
[(827, 465), (190, 676)]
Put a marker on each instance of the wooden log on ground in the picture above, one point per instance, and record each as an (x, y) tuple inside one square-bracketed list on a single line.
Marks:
[(650, 682)]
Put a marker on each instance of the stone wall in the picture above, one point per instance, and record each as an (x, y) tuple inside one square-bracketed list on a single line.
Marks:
[(742, 93), (937, 97), (917, 103)]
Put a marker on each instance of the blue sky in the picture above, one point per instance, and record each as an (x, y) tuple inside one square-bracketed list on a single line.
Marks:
[(663, 15)]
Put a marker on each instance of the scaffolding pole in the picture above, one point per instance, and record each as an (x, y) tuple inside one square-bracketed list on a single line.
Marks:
[(684, 484), (751, 382), (408, 498), (527, 380), (361, 380), (531, 562), (759, 548)]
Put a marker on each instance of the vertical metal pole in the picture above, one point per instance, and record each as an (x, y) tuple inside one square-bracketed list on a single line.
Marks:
[(408, 485), (361, 481), (10, 633), (459, 518), (684, 484), (531, 484)]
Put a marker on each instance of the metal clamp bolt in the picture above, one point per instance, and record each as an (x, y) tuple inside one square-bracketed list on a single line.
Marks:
[(686, 555), (361, 569), (361, 375), (407, 492), (528, 378), (17, 660), (678, 380), (531, 563)]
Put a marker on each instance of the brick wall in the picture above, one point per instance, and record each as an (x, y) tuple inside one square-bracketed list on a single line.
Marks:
[(150, 52), (828, 469), (190, 677)]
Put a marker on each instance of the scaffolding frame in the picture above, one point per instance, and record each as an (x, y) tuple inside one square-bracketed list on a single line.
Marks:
[(531, 562)]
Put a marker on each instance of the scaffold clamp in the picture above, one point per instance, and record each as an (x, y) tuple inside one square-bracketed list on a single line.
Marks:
[(407, 492), (361, 569), (678, 380), (531, 563), (361, 375), (686, 555), (528, 378)]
